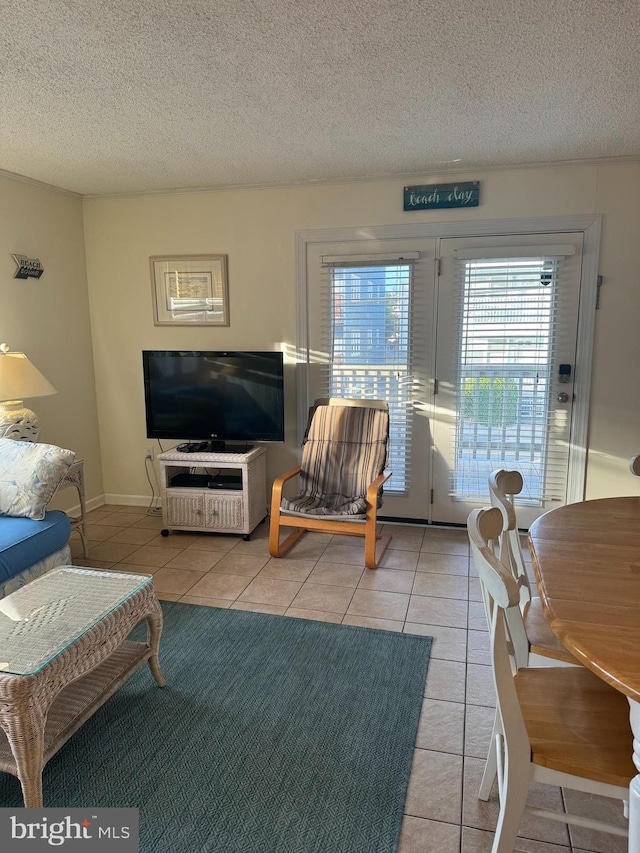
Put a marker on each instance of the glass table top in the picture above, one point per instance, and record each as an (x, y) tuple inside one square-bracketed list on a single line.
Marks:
[(40, 620)]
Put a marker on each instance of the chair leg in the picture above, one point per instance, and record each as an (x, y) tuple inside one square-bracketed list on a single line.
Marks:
[(374, 548), (371, 537), (491, 764), (513, 799), (276, 547)]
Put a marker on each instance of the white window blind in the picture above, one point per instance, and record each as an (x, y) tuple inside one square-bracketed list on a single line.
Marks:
[(508, 322), (366, 332)]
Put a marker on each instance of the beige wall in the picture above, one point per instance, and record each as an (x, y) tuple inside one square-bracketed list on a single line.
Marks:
[(615, 400), (256, 228), (48, 318)]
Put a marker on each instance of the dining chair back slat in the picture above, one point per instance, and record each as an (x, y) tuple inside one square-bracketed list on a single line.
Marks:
[(544, 647)]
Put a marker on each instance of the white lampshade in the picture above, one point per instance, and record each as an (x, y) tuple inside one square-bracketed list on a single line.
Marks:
[(19, 379)]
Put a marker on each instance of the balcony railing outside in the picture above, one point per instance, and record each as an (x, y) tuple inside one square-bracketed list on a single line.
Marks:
[(381, 383)]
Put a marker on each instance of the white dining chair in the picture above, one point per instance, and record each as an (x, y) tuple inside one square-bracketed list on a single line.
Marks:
[(504, 486), (561, 726), (538, 646)]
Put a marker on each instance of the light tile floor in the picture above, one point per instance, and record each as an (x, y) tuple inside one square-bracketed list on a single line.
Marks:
[(424, 586)]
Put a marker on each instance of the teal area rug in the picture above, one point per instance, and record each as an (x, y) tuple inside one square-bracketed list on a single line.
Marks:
[(273, 735)]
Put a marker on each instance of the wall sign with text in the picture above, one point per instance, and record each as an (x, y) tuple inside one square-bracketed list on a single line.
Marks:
[(432, 196), (27, 267)]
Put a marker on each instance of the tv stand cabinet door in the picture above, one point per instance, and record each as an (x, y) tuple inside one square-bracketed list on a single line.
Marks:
[(225, 514), (182, 509)]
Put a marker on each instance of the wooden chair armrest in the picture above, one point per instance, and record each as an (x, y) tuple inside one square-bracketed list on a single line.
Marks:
[(278, 483), (287, 476), (374, 488), (277, 548)]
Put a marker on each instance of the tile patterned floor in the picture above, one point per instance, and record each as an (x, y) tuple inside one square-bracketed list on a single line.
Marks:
[(424, 586)]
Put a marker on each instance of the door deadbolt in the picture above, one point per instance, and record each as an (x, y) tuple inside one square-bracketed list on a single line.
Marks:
[(563, 398)]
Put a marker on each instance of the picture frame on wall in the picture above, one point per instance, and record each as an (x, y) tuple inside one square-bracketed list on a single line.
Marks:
[(190, 290)]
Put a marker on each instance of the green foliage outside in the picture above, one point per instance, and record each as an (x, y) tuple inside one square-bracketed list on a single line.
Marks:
[(490, 402)]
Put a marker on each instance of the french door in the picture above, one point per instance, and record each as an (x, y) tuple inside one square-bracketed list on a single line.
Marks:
[(505, 364), (473, 340), (371, 318)]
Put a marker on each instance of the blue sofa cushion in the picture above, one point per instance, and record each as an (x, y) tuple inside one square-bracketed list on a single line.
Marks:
[(24, 541)]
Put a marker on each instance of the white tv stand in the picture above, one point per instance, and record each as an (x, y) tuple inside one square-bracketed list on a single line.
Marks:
[(236, 504)]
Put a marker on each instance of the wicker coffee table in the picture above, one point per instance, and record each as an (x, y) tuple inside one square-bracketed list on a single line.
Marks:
[(63, 653)]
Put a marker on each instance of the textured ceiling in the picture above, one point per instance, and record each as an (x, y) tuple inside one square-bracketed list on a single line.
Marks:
[(115, 96)]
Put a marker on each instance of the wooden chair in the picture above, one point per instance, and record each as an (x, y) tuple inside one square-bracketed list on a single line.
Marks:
[(540, 646), (341, 476), (560, 726), (545, 649)]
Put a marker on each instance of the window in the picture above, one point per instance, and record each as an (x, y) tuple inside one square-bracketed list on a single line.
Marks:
[(507, 320), (367, 341)]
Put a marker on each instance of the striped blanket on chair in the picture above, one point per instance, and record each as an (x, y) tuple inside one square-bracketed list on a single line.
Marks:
[(345, 450)]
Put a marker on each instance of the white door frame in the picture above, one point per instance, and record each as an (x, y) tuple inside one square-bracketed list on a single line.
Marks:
[(589, 225)]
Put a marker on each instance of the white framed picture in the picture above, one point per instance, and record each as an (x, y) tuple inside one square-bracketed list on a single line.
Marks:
[(190, 290)]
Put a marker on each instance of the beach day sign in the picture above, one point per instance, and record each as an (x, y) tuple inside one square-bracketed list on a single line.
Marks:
[(432, 196)]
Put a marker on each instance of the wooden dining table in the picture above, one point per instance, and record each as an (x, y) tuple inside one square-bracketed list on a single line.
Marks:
[(586, 557)]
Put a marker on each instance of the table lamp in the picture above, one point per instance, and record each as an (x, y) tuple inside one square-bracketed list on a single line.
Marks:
[(19, 379)]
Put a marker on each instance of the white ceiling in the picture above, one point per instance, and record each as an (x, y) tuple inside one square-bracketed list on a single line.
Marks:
[(116, 96)]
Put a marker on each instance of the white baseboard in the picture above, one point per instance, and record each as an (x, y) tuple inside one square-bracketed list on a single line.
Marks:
[(92, 503), (129, 500), (74, 509)]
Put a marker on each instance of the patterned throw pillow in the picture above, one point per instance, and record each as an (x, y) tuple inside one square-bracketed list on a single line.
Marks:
[(29, 475)]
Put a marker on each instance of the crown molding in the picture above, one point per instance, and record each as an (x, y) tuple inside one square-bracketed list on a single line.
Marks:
[(13, 176), (453, 169)]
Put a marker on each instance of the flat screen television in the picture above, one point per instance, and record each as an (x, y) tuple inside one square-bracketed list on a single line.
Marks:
[(214, 396)]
